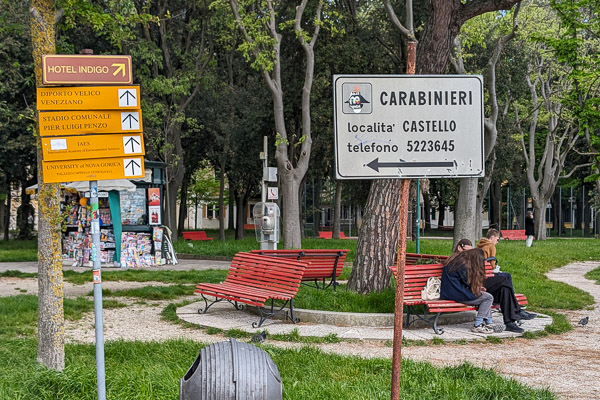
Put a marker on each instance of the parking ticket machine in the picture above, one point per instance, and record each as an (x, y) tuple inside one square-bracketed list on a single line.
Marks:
[(266, 225)]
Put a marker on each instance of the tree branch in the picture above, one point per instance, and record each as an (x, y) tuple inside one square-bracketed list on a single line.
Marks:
[(407, 31), (473, 8)]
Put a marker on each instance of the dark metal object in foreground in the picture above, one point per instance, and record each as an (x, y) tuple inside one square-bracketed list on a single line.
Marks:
[(231, 371)]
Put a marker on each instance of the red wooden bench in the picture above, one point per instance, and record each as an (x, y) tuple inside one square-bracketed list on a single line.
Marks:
[(196, 235), (323, 264), (253, 279), (329, 235), (415, 279), (514, 234)]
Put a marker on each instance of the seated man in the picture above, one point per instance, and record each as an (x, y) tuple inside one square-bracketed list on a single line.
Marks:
[(488, 245), (500, 286)]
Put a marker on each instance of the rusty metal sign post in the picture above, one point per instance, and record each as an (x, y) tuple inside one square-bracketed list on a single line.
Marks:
[(401, 257)]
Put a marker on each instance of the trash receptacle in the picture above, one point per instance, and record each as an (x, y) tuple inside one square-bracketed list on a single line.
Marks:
[(231, 370)]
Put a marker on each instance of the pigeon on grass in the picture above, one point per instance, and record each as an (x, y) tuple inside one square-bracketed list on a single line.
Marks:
[(584, 321), (259, 337)]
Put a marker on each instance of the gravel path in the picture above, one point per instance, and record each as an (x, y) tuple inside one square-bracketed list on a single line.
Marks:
[(568, 364)]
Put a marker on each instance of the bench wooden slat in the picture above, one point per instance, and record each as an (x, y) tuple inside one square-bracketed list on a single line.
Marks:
[(253, 279), (322, 263)]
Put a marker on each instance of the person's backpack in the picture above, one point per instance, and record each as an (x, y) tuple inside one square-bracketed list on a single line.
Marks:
[(431, 291)]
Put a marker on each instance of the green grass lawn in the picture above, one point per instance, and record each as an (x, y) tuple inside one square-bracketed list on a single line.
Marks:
[(136, 370), (18, 250)]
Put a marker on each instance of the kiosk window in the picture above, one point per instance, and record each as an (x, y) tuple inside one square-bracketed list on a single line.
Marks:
[(133, 207)]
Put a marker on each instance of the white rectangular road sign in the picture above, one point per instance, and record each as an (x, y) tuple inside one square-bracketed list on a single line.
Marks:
[(408, 126)]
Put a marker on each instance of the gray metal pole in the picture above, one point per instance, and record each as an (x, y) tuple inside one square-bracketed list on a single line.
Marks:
[(572, 214), (97, 278), (559, 211), (418, 216), (264, 245), (583, 211), (349, 217)]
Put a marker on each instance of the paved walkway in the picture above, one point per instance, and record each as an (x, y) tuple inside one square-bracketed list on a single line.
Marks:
[(224, 316)]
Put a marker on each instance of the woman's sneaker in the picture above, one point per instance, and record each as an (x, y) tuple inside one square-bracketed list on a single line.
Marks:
[(482, 329), (497, 328)]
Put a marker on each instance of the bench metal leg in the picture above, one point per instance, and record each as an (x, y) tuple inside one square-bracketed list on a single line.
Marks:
[(268, 313), (431, 321), (201, 310)]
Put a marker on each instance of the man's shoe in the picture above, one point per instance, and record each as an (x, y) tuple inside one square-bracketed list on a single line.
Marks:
[(525, 315), (512, 327)]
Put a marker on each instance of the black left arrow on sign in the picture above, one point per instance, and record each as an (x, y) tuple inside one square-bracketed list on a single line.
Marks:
[(129, 118), (133, 165), (133, 142), (375, 164), (127, 94)]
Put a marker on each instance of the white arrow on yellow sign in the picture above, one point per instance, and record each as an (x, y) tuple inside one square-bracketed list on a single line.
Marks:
[(92, 146), (62, 123), (93, 169), (88, 98)]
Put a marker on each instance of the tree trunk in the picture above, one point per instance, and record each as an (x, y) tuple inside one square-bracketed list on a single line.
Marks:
[(586, 214), (51, 318), (232, 215), (240, 218), (222, 202), (539, 213), (495, 205), (464, 224), (24, 211), (183, 207), (426, 209), (291, 211), (441, 213), (2, 216), (316, 187), (377, 238), (175, 174), (7, 215), (337, 210)]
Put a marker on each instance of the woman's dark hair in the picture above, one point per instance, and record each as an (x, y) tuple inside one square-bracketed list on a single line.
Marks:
[(461, 244), (474, 262)]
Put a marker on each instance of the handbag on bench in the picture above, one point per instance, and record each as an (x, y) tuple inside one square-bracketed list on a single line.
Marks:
[(431, 291)]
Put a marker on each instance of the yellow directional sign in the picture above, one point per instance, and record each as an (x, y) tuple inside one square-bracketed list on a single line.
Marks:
[(88, 98), (92, 146), (93, 169), (62, 123)]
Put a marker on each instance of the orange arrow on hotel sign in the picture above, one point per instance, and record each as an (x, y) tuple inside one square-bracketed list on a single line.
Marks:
[(62, 69)]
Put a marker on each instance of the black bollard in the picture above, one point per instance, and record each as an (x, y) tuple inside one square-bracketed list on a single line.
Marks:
[(231, 370)]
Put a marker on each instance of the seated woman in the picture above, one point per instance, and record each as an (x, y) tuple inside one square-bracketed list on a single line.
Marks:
[(501, 288), (462, 281)]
